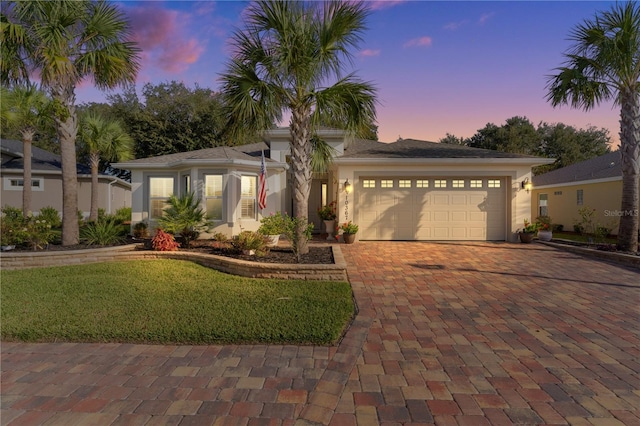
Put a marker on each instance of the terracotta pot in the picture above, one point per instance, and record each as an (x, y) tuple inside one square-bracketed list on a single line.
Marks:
[(526, 237), (349, 238)]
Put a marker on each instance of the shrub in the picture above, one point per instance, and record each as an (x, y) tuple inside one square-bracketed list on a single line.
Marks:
[(123, 215), (51, 215), (141, 230), (12, 225), (104, 232), (186, 217), (249, 240), (163, 241), (274, 224), (349, 228), (291, 223), (543, 223), (557, 227), (38, 233)]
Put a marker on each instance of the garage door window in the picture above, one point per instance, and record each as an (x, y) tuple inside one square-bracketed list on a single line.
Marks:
[(473, 183), (404, 183), (438, 183), (457, 183), (386, 184), (368, 183), (420, 183), (493, 183)]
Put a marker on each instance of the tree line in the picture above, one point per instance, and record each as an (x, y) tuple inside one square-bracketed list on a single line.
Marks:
[(518, 135)]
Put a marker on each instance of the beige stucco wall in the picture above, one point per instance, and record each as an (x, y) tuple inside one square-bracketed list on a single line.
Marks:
[(604, 196), (518, 201), (110, 197)]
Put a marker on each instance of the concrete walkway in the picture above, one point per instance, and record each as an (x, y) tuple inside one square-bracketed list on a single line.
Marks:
[(451, 334)]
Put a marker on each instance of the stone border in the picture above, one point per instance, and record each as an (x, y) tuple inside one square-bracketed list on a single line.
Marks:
[(334, 272), (622, 258)]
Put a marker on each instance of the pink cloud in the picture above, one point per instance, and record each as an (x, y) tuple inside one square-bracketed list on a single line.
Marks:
[(160, 34), (455, 25), (418, 42), (370, 52), (385, 4), (485, 17)]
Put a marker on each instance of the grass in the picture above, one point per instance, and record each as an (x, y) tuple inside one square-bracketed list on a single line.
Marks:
[(581, 238), (169, 301)]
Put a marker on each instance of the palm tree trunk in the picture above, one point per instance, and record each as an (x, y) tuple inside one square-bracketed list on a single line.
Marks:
[(67, 124), (95, 161), (630, 150), (301, 173), (27, 140)]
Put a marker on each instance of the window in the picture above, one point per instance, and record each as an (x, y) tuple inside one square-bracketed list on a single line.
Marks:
[(404, 183), (213, 196), (160, 189), (457, 183), (557, 193), (186, 183), (324, 189), (440, 183), (248, 194), (368, 183), (16, 184), (580, 197), (422, 183), (543, 209), (475, 183), (386, 184), (493, 183)]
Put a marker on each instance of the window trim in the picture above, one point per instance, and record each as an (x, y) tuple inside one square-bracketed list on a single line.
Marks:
[(150, 198), (37, 183)]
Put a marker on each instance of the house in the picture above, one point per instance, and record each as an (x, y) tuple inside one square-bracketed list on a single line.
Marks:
[(46, 183), (407, 190), (595, 183)]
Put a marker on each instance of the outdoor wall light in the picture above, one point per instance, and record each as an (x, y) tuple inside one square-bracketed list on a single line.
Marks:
[(526, 185), (347, 187)]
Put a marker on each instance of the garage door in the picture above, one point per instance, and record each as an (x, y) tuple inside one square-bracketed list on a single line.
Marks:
[(446, 208)]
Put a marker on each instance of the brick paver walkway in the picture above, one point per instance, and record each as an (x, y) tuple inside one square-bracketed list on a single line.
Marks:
[(451, 334)]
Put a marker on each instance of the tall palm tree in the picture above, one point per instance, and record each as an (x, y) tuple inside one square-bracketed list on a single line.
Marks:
[(289, 58), (104, 139), (26, 111), (604, 64), (64, 42)]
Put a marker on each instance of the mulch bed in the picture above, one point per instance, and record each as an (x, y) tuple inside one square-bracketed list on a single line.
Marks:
[(284, 255)]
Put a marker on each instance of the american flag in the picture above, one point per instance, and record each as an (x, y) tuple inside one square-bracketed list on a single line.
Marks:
[(262, 185)]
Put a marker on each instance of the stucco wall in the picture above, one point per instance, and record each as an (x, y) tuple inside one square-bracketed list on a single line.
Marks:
[(604, 197)]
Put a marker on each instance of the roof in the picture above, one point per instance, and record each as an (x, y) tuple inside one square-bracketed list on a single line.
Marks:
[(41, 160), (602, 167), (250, 152), (412, 148)]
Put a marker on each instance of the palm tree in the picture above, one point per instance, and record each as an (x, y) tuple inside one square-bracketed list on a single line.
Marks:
[(285, 61), (26, 110), (106, 140), (604, 64), (64, 42)]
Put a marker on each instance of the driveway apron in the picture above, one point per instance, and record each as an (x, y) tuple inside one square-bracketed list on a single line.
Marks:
[(451, 334)]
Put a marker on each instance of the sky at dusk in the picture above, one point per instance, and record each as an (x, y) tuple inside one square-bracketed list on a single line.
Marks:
[(439, 67)]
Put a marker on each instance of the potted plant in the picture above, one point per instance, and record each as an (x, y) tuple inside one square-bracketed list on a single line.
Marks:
[(328, 215), (528, 231), (349, 231), (273, 226), (543, 223)]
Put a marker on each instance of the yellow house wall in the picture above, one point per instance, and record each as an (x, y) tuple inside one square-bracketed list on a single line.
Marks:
[(604, 197)]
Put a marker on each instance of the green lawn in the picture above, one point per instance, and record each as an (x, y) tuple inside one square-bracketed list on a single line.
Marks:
[(169, 301), (581, 238)]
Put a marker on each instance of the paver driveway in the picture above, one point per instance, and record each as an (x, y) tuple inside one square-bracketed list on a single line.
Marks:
[(460, 334)]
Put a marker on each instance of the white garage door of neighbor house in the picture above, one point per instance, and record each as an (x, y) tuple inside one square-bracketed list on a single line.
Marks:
[(459, 208)]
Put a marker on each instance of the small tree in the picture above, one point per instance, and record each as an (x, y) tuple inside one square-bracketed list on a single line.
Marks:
[(185, 216)]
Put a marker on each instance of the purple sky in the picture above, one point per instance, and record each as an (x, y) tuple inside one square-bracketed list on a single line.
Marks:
[(440, 67)]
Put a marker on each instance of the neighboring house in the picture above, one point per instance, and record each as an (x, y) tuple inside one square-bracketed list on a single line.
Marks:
[(46, 182), (407, 190), (594, 184)]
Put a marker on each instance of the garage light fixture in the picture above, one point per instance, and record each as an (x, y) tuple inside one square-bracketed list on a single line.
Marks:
[(526, 185), (347, 187)]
